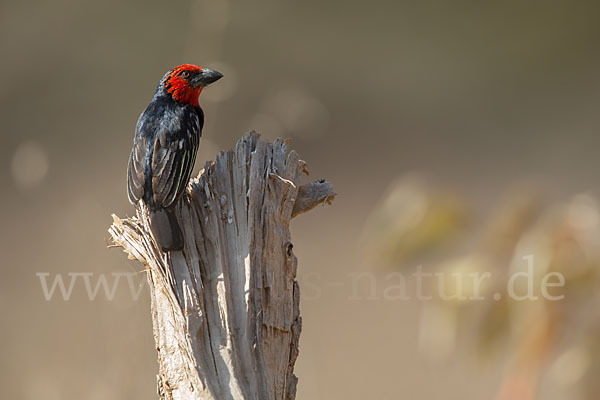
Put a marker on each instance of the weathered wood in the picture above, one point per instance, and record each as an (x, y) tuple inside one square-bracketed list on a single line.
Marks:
[(225, 310)]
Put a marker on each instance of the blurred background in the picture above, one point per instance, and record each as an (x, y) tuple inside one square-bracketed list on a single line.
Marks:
[(461, 136)]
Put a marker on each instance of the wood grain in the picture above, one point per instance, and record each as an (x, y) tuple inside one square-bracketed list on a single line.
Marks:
[(225, 310)]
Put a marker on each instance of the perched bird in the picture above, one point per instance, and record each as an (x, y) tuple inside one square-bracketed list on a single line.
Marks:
[(165, 144)]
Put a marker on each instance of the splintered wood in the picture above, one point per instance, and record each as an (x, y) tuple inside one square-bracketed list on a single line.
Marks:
[(225, 310)]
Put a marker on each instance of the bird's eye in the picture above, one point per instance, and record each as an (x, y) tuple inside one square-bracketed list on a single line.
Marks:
[(185, 74)]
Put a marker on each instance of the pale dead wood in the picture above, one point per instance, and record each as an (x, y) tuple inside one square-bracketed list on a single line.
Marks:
[(225, 310), (311, 195)]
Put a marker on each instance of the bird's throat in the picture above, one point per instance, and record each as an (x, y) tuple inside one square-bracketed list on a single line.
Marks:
[(184, 93)]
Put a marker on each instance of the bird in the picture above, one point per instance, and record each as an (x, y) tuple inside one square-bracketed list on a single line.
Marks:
[(165, 143)]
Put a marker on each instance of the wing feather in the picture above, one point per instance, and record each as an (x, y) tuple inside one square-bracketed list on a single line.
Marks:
[(163, 155), (171, 171), (135, 171)]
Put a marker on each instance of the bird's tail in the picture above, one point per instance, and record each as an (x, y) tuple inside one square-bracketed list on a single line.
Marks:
[(166, 229)]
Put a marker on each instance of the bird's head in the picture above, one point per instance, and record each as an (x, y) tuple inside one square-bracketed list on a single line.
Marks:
[(185, 82)]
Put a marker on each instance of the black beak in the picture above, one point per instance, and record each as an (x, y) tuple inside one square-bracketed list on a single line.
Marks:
[(206, 77)]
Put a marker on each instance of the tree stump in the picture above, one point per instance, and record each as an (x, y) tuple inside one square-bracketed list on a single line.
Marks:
[(225, 310)]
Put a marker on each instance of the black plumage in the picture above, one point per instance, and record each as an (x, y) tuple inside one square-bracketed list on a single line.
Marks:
[(164, 150)]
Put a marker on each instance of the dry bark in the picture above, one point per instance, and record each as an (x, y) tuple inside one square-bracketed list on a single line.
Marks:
[(225, 310)]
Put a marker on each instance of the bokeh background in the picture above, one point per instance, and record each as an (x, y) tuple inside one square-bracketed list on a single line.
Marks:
[(459, 135)]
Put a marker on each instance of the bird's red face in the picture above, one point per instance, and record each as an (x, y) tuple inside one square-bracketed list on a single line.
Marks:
[(186, 81)]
